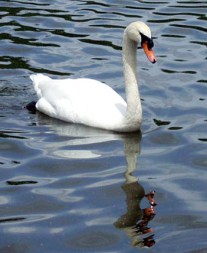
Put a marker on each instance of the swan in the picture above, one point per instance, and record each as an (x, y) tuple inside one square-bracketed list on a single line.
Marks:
[(90, 102)]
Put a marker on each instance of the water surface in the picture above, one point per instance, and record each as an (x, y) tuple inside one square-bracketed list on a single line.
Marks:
[(69, 188)]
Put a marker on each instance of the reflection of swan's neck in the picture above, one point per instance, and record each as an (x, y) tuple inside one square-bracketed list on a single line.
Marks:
[(131, 150), (131, 166), (134, 111)]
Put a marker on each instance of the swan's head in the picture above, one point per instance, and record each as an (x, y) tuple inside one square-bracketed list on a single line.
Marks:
[(140, 33)]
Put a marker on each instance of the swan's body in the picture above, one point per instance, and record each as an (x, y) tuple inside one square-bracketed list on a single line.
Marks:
[(93, 103)]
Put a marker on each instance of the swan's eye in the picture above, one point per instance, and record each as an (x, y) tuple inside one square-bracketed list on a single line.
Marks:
[(150, 43)]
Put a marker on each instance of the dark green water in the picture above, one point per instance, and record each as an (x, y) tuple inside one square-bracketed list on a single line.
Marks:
[(68, 188)]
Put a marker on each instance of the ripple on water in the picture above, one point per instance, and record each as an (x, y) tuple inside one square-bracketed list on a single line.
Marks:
[(91, 239)]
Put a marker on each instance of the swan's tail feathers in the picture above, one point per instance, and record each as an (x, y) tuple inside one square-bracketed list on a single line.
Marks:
[(39, 77), (37, 80)]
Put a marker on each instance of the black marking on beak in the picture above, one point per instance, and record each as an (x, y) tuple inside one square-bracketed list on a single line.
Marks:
[(150, 43)]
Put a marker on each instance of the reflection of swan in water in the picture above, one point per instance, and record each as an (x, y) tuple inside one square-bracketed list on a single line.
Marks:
[(135, 220), (75, 141)]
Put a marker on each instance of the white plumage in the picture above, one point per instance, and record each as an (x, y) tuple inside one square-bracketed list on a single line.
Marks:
[(91, 102)]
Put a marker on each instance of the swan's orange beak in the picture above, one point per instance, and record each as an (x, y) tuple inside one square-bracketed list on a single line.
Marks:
[(149, 52)]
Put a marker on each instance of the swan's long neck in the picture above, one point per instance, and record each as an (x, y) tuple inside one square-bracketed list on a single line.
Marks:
[(134, 110)]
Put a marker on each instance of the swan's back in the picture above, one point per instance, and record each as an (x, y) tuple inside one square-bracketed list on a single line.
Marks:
[(84, 101)]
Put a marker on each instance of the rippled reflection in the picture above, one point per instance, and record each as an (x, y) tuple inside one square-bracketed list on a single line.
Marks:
[(135, 220)]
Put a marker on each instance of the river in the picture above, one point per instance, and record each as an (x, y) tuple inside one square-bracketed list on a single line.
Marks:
[(70, 188)]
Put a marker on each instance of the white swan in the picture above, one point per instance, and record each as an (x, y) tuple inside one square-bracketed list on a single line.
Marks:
[(93, 103)]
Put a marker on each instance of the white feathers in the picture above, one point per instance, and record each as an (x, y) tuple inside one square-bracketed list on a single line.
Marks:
[(84, 101), (90, 102)]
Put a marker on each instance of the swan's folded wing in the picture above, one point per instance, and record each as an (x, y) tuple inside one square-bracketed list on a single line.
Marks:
[(84, 101)]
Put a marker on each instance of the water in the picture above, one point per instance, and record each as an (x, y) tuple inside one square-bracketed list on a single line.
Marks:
[(68, 188)]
